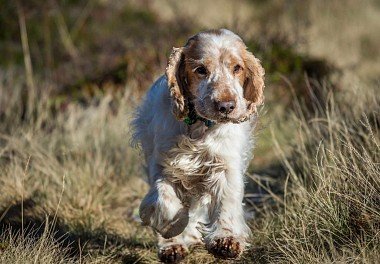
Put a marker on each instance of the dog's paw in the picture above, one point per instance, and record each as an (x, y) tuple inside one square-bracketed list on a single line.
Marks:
[(225, 248), (172, 254)]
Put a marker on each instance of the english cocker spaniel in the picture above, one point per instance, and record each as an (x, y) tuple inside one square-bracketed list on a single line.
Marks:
[(195, 130)]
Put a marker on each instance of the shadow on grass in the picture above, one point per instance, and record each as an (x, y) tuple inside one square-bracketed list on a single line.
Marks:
[(262, 184), (34, 221)]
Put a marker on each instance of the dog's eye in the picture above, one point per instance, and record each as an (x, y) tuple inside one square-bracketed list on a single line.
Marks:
[(201, 70), (237, 68)]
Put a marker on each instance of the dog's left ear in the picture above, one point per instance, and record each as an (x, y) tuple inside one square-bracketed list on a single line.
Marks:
[(254, 80)]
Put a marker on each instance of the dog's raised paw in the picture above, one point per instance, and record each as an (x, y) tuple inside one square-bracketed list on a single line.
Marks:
[(175, 226), (225, 248), (172, 254)]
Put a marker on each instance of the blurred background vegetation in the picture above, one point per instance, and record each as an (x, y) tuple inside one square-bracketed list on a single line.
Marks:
[(75, 43), (88, 48), (72, 71)]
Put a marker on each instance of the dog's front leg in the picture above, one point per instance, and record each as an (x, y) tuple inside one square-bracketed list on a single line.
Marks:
[(228, 230), (163, 210)]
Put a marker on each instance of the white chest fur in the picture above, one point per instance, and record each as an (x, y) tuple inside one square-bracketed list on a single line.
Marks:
[(196, 165)]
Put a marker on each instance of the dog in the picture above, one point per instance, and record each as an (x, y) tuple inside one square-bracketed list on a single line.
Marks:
[(195, 129)]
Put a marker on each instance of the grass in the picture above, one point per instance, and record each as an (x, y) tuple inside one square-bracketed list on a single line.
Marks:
[(329, 208), (70, 184)]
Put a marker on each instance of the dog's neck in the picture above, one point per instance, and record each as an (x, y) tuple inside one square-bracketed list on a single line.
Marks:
[(197, 125)]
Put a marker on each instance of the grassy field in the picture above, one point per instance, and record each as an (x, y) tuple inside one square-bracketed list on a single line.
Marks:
[(72, 72)]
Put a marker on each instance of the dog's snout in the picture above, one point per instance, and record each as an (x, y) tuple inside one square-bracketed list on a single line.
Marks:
[(226, 107)]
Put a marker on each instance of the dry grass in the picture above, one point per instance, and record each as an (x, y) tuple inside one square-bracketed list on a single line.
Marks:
[(81, 169), (28, 250), (329, 210), (70, 184)]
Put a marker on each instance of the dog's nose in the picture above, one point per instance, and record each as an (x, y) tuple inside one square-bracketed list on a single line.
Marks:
[(226, 107)]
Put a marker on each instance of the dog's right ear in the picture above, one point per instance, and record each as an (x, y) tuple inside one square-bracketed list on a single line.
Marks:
[(175, 73)]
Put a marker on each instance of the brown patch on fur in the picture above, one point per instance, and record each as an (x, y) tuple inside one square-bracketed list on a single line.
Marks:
[(226, 96), (172, 254), (225, 248), (176, 81), (227, 57), (180, 76), (254, 79)]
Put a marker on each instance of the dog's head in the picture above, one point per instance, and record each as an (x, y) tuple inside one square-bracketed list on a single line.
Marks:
[(216, 73)]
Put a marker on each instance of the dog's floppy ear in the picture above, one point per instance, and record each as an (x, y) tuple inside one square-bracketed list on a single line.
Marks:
[(175, 73), (254, 80)]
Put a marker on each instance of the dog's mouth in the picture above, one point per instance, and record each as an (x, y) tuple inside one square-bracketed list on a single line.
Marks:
[(216, 117), (224, 118), (208, 113)]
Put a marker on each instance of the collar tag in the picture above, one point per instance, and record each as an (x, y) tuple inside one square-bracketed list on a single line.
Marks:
[(209, 123)]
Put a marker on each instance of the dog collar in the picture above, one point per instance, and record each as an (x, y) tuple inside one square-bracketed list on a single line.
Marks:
[(192, 118), (189, 121)]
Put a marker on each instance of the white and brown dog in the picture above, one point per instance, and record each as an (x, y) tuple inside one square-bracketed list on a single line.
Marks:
[(195, 129)]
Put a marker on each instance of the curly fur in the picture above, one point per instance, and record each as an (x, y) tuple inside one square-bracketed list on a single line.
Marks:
[(191, 165), (196, 172)]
